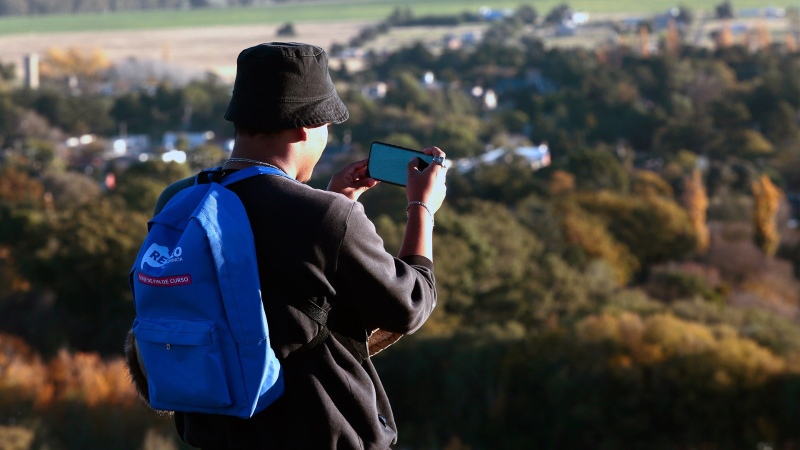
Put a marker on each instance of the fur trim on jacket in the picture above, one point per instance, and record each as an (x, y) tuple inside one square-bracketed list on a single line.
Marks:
[(137, 372)]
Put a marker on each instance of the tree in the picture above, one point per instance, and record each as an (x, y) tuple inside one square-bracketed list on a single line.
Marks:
[(20, 189), (86, 65), (140, 185), (725, 10), (730, 115), (101, 239), (590, 239), (695, 200), (206, 156), (13, 7), (527, 14), (597, 170), (779, 125), (654, 229), (767, 199), (74, 114), (684, 15), (286, 30), (407, 93), (750, 143), (70, 189), (458, 135), (558, 14), (490, 265), (645, 182), (8, 72)]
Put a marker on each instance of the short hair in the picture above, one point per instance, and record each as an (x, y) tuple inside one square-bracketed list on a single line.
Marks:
[(253, 130)]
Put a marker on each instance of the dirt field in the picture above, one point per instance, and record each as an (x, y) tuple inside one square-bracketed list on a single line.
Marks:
[(194, 51), (187, 49)]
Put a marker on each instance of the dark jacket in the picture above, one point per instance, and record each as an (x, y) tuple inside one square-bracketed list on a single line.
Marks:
[(320, 246)]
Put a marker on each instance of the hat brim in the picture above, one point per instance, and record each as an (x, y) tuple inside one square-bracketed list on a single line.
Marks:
[(282, 115)]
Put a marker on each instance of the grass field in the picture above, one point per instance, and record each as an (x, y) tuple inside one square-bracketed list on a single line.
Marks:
[(325, 11)]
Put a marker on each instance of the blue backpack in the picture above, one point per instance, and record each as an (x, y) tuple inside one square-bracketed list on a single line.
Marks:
[(200, 327)]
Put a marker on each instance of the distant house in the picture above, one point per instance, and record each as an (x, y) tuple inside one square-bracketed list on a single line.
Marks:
[(454, 42), (749, 13), (351, 52), (494, 14), (194, 139), (537, 156), (471, 37), (580, 18), (375, 90), (567, 28), (129, 146), (772, 12)]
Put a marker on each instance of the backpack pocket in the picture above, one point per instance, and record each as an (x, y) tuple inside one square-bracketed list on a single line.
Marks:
[(185, 363)]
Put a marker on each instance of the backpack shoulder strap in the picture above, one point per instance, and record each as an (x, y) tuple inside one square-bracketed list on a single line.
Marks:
[(216, 175), (240, 175)]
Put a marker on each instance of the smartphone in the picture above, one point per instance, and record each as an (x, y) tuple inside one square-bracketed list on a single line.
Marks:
[(388, 162)]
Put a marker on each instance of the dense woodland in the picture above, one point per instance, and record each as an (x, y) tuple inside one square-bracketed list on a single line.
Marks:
[(640, 292)]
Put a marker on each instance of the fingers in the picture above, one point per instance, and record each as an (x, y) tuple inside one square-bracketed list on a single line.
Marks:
[(360, 164), (434, 151), (439, 157), (358, 170), (366, 183)]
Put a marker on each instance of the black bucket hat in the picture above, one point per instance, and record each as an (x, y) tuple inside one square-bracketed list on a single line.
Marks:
[(284, 85)]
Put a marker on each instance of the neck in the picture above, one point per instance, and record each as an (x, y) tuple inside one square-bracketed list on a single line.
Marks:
[(249, 152), (247, 161)]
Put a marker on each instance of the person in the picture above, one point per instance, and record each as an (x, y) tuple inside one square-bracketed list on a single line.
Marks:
[(318, 246)]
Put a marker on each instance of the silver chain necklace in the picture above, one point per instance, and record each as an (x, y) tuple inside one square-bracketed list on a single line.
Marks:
[(252, 161)]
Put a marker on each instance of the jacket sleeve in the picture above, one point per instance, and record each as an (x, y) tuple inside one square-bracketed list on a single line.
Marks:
[(389, 293)]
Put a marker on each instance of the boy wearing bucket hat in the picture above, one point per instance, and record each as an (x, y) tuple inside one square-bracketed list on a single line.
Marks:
[(318, 246)]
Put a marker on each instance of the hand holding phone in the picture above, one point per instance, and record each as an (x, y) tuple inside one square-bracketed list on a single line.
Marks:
[(352, 181), (389, 162)]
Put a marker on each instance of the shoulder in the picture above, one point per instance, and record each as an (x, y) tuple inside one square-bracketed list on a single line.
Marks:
[(170, 192), (292, 199)]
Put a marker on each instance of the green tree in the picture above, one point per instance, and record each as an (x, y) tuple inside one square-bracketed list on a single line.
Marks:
[(779, 125), (458, 136), (140, 185), (488, 263), (644, 182), (558, 14), (527, 14), (100, 239), (597, 170), (206, 156), (286, 30), (408, 93)]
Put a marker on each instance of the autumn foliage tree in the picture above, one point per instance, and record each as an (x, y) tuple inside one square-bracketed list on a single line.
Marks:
[(767, 201), (74, 64), (695, 200)]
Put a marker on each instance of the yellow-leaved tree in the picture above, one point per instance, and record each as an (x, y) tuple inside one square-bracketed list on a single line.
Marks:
[(695, 200), (766, 203), (59, 63)]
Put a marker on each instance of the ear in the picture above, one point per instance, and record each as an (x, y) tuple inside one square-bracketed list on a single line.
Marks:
[(299, 134)]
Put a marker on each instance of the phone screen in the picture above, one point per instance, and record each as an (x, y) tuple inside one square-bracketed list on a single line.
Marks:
[(388, 162)]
